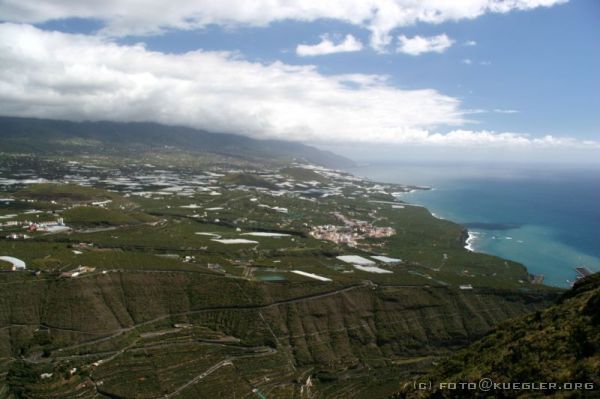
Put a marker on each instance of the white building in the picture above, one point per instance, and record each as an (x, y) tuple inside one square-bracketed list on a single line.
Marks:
[(18, 264), (356, 260), (385, 259)]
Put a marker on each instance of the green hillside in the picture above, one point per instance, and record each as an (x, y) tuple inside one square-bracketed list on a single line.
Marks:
[(559, 344)]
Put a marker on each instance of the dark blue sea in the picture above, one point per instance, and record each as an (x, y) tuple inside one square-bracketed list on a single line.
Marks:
[(545, 216)]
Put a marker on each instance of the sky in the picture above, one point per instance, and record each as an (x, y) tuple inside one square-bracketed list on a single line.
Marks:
[(477, 79)]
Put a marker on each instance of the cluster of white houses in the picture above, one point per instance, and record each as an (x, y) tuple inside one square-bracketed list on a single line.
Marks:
[(351, 232)]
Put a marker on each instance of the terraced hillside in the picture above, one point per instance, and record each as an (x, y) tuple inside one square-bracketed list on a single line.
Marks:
[(137, 323), (560, 344), (143, 282)]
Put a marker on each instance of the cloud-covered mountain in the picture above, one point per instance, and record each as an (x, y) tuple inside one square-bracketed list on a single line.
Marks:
[(47, 137)]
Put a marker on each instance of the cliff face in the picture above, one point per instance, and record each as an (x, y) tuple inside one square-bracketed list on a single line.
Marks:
[(126, 321), (559, 344)]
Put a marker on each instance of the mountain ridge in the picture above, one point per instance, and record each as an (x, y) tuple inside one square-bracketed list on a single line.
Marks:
[(50, 136)]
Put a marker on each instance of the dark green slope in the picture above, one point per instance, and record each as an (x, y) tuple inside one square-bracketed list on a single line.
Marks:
[(347, 337), (560, 344), (49, 137)]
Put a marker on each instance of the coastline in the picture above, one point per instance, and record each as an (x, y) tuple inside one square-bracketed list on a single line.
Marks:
[(507, 217), (498, 235), (471, 238)]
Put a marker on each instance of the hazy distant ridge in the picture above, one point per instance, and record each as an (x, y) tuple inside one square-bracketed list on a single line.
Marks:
[(46, 136)]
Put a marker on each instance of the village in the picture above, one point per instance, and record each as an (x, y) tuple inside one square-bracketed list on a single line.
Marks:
[(352, 231)]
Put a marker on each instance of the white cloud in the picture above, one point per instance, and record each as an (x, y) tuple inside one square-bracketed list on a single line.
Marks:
[(505, 111), (327, 46), (484, 138), (418, 45), (470, 43), (76, 77), (58, 75), (469, 61), (141, 17)]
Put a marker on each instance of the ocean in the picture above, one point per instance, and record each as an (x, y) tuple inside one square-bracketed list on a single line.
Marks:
[(546, 217)]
